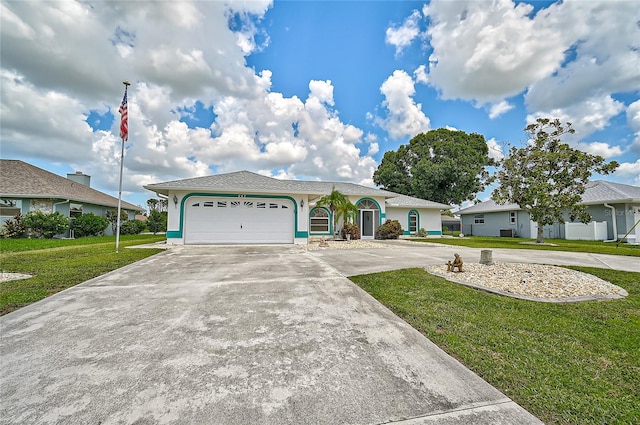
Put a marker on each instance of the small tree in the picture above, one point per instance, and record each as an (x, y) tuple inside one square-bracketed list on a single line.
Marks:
[(548, 177), (14, 227), (339, 205), (112, 216), (89, 225), (157, 222), (46, 225)]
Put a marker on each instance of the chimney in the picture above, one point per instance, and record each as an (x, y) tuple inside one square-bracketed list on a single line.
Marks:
[(80, 177)]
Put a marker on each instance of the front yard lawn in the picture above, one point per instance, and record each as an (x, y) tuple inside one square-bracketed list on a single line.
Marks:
[(565, 363), (59, 264), (595, 247)]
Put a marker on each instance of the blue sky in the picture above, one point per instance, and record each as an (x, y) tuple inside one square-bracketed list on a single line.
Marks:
[(307, 89)]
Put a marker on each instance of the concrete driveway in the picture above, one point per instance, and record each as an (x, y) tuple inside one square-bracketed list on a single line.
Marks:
[(232, 335)]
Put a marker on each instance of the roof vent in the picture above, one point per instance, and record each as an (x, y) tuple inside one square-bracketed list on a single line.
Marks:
[(80, 177)]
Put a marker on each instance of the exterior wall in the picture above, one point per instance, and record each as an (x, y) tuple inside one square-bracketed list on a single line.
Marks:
[(428, 219), (496, 221)]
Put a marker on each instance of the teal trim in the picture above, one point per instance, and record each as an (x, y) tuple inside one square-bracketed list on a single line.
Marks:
[(180, 232), (300, 234), (417, 220), (434, 232), (381, 214), (406, 233), (330, 222)]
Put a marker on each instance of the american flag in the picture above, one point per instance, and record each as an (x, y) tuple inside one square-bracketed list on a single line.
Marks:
[(124, 117)]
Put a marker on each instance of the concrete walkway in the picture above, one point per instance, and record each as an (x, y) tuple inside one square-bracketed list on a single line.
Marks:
[(235, 335)]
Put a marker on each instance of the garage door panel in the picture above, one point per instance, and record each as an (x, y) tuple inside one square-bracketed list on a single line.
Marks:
[(220, 220)]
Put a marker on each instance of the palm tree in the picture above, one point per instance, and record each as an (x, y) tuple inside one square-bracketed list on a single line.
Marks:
[(339, 205)]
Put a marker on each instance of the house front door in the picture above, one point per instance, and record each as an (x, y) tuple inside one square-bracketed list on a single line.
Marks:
[(367, 224)]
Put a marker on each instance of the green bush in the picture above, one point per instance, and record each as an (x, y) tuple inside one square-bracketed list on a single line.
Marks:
[(13, 228), (46, 225), (350, 229), (132, 227), (89, 225), (422, 233), (389, 230), (157, 221)]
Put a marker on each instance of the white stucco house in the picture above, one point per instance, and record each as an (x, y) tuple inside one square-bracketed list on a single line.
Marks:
[(245, 207)]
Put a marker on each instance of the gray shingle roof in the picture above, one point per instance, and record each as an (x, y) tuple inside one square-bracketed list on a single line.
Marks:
[(21, 180), (596, 192), (246, 181)]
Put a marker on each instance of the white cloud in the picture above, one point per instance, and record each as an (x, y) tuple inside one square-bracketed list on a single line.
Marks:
[(602, 149), (563, 56), (496, 151), (420, 75), (402, 36), (588, 116), (629, 172), (485, 51), (174, 53), (405, 116), (633, 119), (499, 108)]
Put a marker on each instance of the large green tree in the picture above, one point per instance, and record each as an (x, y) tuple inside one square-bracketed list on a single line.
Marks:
[(548, 177), (441, 165)]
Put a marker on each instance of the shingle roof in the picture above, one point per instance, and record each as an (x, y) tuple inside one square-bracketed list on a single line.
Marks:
[(596, 192), (21, 180), (243, 181)]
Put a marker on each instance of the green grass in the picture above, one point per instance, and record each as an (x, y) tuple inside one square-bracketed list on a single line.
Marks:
[(595, 247), (565, 363), (59, 264)]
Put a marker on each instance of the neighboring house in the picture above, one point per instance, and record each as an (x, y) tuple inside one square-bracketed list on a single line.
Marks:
[(615, 209), (244, 207), (24, 188)]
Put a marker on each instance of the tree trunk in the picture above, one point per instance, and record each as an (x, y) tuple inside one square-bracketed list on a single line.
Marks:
[(540, 237)]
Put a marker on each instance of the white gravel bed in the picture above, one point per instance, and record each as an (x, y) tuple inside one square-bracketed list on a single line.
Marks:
[(356, 244), (532, 280)]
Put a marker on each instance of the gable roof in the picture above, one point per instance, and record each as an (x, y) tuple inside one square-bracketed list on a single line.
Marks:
[(596, 192), (21, 180), (246, 181)]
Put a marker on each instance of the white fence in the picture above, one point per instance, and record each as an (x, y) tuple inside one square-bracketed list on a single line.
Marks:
[(593, 231)]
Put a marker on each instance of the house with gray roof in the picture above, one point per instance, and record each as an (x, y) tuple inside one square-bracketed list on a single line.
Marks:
[(614, 207), (245, 207), (25, 187)]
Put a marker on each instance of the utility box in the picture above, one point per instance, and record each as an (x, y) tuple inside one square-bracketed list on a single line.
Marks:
[(507, 233)]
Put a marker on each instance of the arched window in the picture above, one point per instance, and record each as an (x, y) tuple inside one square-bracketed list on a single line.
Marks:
[(367, 204), (413, 221), (319, 221)]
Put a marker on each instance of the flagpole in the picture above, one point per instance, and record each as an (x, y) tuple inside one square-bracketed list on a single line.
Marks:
[(122, 136)]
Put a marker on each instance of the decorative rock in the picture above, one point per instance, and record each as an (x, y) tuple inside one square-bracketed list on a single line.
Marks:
[(486, 257), (534, 280)]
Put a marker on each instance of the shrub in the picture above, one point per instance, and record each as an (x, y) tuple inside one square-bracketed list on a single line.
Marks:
[(46, 225), (132, 227), (350, 229), (89, 225), (157, 221), (389, 230), (14, 227), (422, 233)]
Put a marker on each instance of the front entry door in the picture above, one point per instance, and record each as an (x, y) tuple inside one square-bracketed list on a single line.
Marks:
[(367, 224)]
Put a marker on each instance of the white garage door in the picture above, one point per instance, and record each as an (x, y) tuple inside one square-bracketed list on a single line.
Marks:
[(238, 220)]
